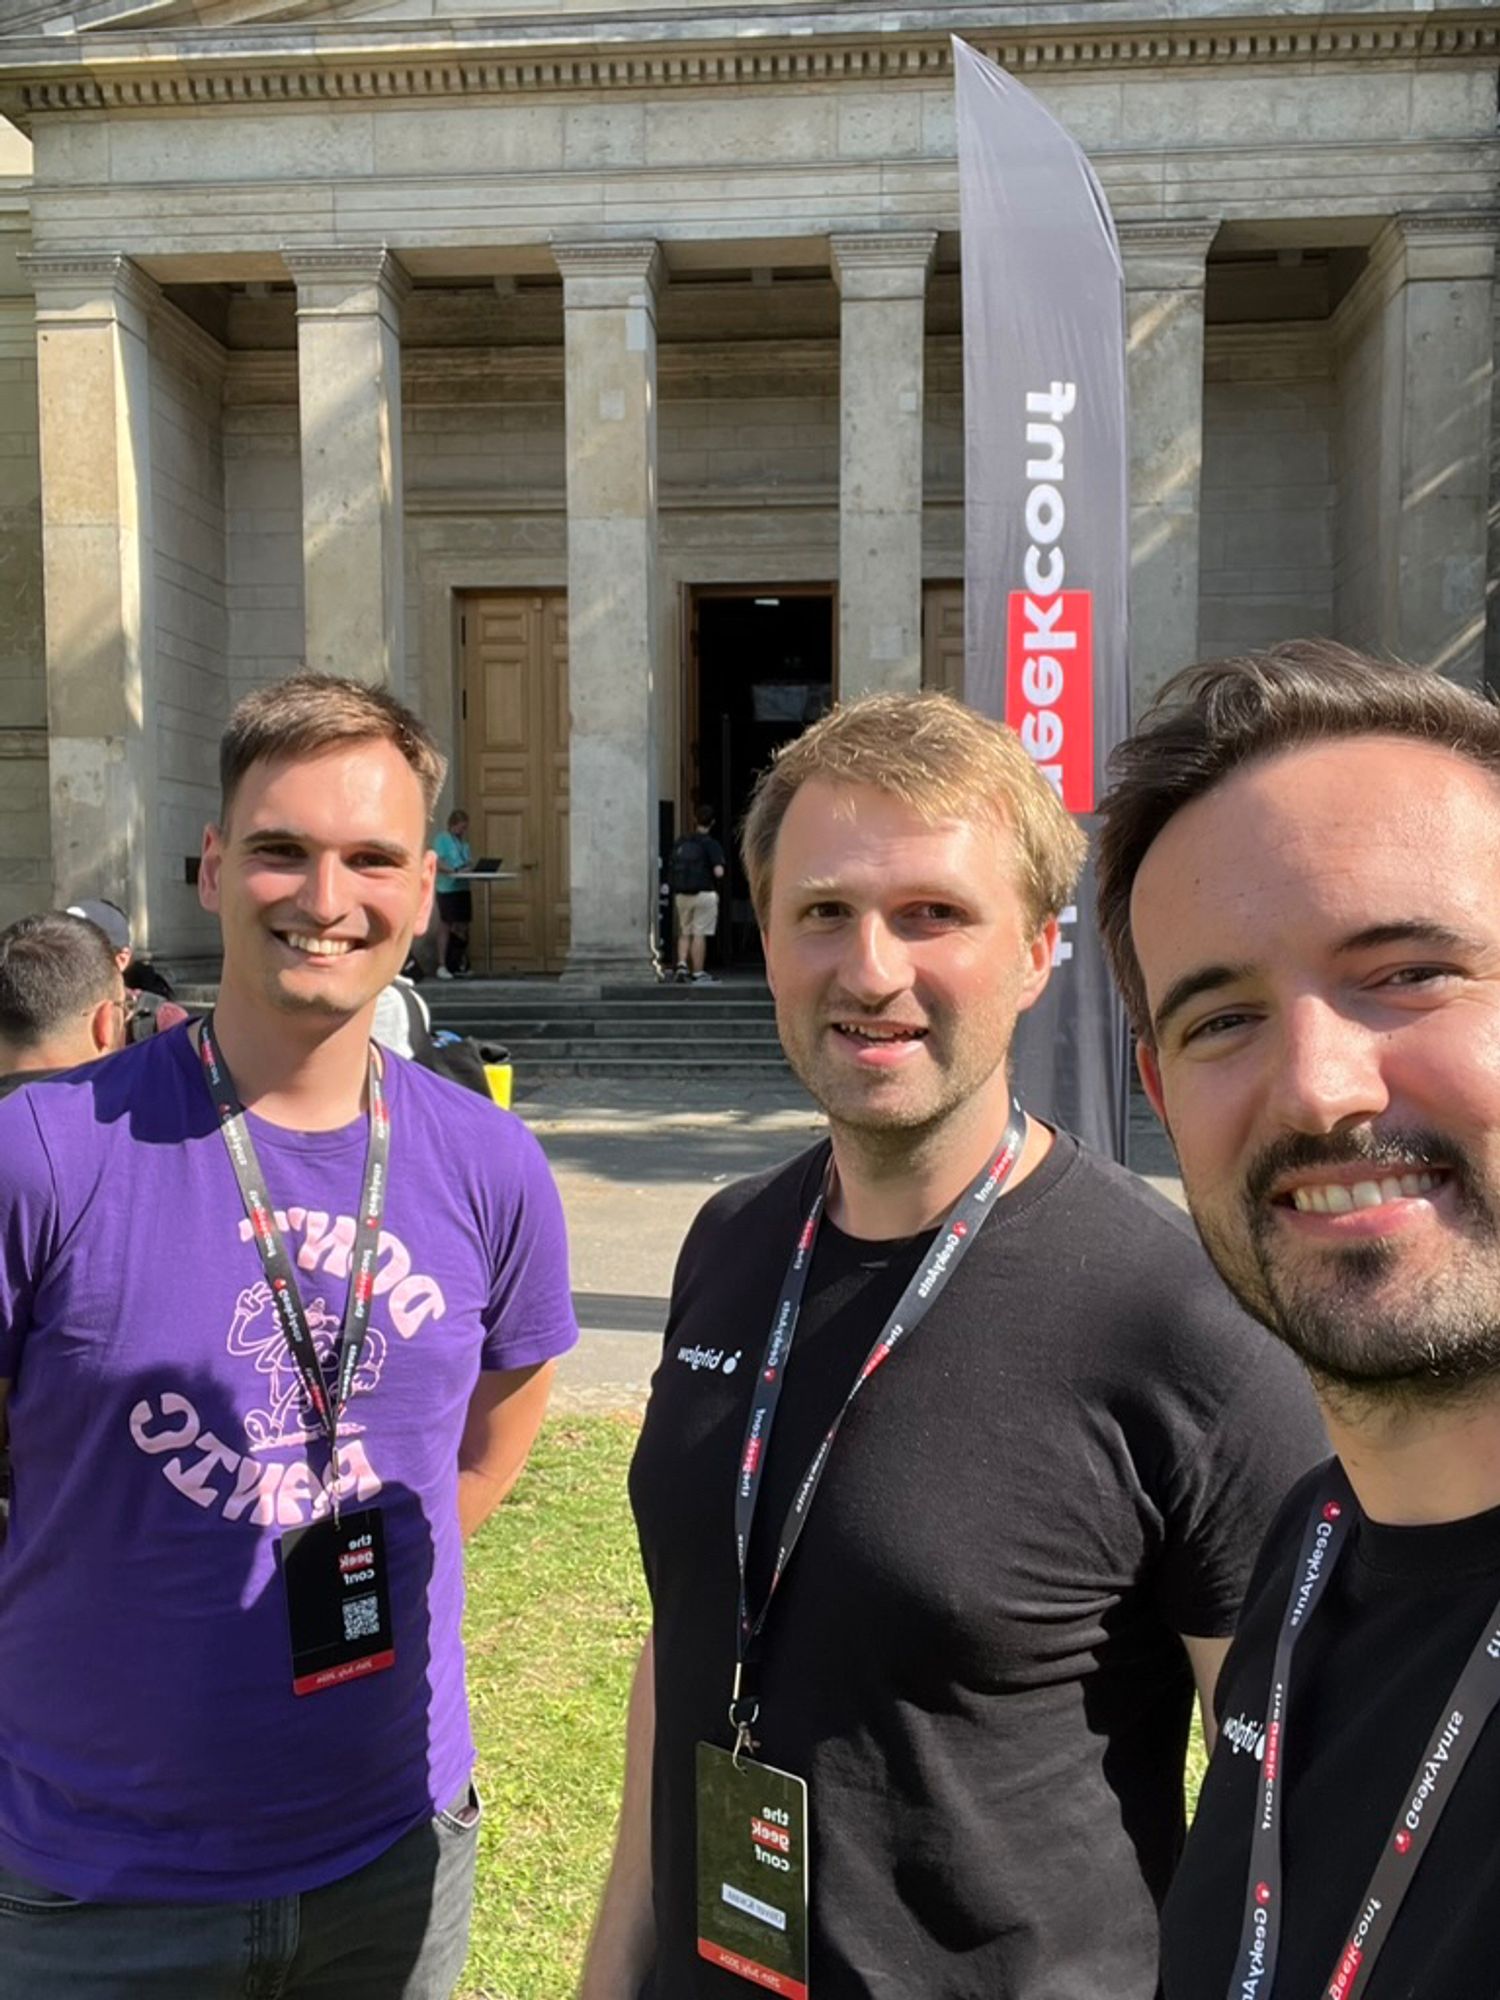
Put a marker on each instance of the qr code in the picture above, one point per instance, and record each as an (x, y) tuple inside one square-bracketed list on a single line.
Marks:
[(361, 1617)]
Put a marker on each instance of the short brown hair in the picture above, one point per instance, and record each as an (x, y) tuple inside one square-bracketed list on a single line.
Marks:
[(308, 713), (53, 967), (938, 758), (1213, 719)]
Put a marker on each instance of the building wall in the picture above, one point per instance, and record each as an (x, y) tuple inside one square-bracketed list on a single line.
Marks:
[(1358, 575), (190, 669), (25, 834), (1268, 501)]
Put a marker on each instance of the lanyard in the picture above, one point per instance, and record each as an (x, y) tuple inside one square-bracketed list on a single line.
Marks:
[(949, 1248), (276, 1262), (1464, 1715)]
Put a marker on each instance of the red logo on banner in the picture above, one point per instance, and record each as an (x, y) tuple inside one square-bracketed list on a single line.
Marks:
[(1049, 688)]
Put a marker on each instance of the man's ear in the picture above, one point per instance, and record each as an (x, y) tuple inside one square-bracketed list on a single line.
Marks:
[(1150, 1074), (1040, 954), (210, 861), (429, 889), (107, 1029), (765, 952)]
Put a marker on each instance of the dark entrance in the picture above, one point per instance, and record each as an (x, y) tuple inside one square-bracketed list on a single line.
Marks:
[(762, 669)]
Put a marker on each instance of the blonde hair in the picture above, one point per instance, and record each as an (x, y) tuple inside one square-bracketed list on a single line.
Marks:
[(943, 761)]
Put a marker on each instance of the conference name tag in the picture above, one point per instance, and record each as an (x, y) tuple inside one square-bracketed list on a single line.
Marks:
[(752, 1871), (338, 1601)]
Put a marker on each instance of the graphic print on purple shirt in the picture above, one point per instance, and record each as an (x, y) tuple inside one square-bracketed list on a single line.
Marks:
[(151, 1747)]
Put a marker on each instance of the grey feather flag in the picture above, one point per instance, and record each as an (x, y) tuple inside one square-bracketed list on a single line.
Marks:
[(1046, 529)]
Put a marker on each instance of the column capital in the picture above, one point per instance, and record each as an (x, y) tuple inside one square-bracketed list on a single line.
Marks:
[(343, 278), (90, 287), (618, 273), (1438, 245), (1166, 256), (882, 263)]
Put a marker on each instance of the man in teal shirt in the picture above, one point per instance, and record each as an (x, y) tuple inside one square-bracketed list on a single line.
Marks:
[(454, 901)]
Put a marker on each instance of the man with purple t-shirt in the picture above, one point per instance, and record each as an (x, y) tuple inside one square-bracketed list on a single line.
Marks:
[(277, 1320)]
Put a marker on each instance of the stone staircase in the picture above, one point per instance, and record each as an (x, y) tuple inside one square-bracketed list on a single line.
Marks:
[(641, 1031)]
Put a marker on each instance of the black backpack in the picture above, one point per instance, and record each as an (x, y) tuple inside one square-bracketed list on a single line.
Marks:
[(689, 871), (460, 1058)]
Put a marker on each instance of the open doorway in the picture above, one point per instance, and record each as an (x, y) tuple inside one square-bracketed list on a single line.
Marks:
[(761, 669)]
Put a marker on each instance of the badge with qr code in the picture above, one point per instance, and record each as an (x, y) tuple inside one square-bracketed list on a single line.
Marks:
[(338, 1602)]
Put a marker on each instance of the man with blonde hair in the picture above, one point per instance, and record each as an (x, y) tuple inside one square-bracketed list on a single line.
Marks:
[(277, 1318), (954, 1461)]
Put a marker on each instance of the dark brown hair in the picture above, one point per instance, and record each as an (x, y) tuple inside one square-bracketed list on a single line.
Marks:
[(53, 967), (310, 713), (1211, 720)]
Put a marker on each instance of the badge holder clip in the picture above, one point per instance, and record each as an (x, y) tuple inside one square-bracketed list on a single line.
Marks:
[(744, 1713)]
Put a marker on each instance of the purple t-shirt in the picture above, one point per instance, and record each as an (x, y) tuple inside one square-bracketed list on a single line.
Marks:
[(151, 1747)]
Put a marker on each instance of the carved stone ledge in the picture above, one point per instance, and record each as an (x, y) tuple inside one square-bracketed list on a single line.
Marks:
[(393, 65)]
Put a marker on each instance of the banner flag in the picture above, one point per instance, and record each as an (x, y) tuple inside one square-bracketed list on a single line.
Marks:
[(1046, 529)]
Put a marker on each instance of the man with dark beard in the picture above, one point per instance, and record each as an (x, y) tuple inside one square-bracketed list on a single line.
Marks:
[(1030, 1441), (1300, 888)]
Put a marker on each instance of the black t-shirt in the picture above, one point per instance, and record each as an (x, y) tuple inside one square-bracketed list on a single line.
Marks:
[(1370, 1678), (973, 1658)]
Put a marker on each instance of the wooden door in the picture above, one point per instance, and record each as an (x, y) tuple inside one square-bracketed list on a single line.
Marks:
[(943, 638), (513, 704)]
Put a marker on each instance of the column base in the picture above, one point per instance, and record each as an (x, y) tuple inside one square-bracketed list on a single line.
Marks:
[(591, 971)]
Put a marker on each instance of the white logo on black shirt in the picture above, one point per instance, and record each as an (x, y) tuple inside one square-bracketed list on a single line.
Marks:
[(710, 1357), (1242, 1734)]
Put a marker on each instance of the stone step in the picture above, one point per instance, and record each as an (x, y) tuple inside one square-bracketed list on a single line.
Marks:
[(606, 1028), (530, 1069)]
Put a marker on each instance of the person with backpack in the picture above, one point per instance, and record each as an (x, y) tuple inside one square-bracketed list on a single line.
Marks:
[(694, 870)]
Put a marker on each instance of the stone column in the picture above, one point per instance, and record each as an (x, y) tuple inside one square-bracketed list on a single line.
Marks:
[(1164, 275), (882, 280), (1435, 276), (609, 300), (98, 569), (349, 392)]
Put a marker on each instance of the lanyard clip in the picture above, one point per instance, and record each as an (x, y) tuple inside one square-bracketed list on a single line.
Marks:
[(744, 1713)]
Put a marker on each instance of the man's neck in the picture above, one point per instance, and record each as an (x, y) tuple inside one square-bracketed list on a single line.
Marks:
[(301, 1071), (894, 1184), (47, 1056), (1413, 1464)]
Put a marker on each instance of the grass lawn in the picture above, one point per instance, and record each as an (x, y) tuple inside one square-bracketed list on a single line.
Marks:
[(557, 1611)]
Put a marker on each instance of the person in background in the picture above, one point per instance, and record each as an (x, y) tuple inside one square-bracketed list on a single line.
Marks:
[(62, 1000), (695, 869), (62, 1004), (153, 1004), (455, 901)]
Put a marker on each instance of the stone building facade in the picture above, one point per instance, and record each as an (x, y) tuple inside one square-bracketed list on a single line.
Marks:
[(591, 372)]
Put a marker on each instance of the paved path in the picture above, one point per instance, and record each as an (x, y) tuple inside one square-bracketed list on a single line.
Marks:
[(635, 1170)]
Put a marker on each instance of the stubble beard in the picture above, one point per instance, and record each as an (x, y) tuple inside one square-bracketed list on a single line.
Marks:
[(1340, 1312), (888, 1137)]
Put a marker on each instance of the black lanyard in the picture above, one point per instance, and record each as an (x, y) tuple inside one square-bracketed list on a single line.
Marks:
[(276, 1262), (1464, 1715), (949, 1248)]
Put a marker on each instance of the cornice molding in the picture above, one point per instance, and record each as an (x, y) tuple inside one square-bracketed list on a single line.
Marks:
[(62, 281), (29, 744), (625, 262), (325, 273), (90, 74)]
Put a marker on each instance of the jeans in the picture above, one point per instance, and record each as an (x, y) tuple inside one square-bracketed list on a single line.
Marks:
[(397, 1929)]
